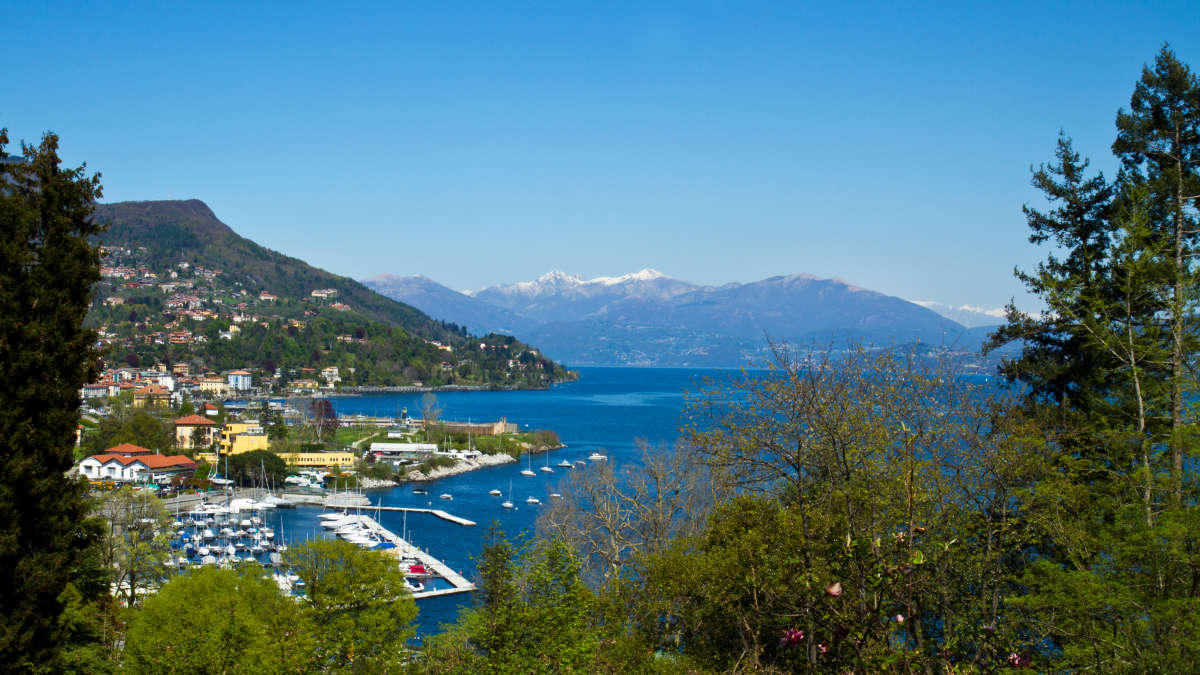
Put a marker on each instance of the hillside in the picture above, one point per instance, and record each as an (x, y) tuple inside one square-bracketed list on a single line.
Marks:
[(180, 286), (188, 231)]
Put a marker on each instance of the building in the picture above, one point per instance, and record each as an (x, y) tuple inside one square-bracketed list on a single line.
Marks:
[(195, 431), (239, 380), (340, 459), (141, 466), (151, 396), (214, 386), (239, 437)]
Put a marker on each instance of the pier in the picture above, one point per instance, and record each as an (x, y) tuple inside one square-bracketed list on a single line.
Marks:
[(436, 512), (406, 550)]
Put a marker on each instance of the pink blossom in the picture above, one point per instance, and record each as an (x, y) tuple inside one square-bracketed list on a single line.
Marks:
[(899, 618), (822, 647), (834, 589), (791, 637), (1018, 660)]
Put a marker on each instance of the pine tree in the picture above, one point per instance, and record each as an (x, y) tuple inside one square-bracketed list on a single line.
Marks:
[(47, 267), (1158, 141)]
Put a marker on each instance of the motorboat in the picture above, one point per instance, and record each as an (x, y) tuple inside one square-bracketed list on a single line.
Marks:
[(447, 495), (495, 493), (566, 464), (533, 500), (420, 491), (597, 457), (555, 495)]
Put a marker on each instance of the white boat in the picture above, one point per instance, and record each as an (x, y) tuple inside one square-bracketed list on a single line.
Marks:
[(533, 500), (447, 495), (495, 493), (555, 495), (414, 587), (332, 515), (507, 503), (528, 470), (597, 457), (566, 464)]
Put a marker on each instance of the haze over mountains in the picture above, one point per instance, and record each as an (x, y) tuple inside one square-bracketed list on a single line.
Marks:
[(649, 319)]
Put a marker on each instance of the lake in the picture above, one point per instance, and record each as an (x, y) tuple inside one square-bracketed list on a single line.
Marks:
[(607, 409)]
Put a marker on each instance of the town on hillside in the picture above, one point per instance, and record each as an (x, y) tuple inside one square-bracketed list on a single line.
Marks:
[(200, 327)]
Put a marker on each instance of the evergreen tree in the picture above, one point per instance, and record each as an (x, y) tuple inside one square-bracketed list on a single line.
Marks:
[(1158, 141), (47, 267)]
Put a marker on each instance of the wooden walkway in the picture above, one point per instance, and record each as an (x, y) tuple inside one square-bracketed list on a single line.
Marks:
[(406, 550)]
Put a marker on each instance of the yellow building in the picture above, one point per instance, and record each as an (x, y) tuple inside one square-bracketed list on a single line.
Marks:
[(239, 437), (313, 458)]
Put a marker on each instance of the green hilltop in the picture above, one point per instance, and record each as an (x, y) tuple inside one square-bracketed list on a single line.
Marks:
[(180, 285)]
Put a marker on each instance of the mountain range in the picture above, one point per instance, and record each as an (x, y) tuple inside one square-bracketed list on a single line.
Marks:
[(649, 319)]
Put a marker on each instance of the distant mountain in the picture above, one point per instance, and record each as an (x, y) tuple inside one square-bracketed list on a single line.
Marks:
[(647, 318), (450, 305), (971, 317)]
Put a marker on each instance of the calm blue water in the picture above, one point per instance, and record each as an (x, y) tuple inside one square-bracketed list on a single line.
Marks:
[(607, 410)]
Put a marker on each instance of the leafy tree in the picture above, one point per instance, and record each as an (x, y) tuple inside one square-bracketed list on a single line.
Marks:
[(220, 621), (47, 266), (136, 541), (536, 618), (358, 605), (250, 468)]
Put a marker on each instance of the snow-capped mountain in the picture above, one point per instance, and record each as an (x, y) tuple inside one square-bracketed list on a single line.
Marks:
[(967, 315), (648, 318)]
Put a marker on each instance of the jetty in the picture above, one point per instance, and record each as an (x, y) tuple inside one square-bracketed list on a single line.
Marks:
[(406, 550), (435, 512)]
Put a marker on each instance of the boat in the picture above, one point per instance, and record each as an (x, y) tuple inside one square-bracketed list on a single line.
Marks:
[(495, 493), (597, 457), (532, 500), (420, 491), (528, 470), (447, 495), (546, 468), (507, 503), (555, 495), (566, 464), (414, 587)]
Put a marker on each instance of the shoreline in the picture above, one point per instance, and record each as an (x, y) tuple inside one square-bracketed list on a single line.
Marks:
[(459, 467)]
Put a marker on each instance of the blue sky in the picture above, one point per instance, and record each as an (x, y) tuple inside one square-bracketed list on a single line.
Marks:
[(885, 144)]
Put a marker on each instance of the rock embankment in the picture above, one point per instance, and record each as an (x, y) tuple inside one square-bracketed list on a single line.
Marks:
[(462, 466)]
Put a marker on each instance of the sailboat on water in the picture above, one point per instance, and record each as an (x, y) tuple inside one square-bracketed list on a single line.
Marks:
[(528, 470), (546, 468), (507, 503)]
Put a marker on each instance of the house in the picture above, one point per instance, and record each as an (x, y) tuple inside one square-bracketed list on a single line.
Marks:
[(214, 386), (267, 297), (239, 380), (330, 375), (324, 293), (135, 468), (151, 396), (195, 431)]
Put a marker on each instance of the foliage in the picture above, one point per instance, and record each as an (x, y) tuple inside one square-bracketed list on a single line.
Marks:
[(251, 468), (358, 605), (126, 424), (536, 618), (136, 542), (47, 267), (220, 621)]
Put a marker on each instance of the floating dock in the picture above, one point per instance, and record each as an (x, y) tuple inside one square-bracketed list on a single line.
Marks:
[(406, 550)]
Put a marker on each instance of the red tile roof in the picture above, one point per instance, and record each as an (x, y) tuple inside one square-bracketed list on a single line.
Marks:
[(155, 461), (152, 389), (126, 449), (194, 420)]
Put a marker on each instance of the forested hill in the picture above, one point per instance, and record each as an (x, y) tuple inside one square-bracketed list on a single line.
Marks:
[(188, 231), (180, 286)]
